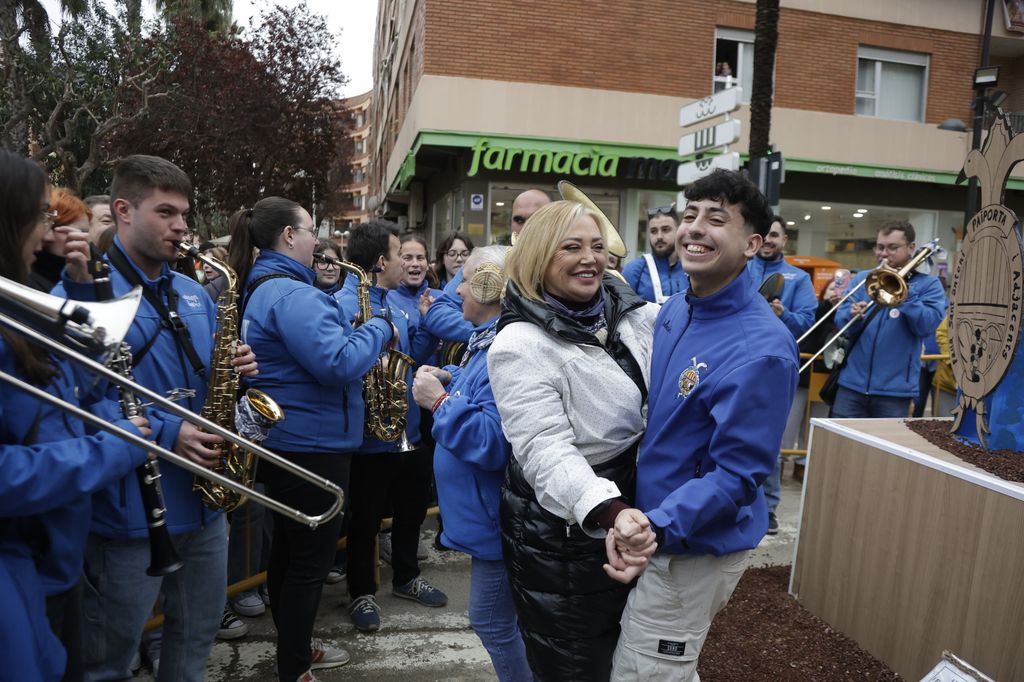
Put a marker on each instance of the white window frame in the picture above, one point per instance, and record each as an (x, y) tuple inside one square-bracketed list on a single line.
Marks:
[(745, 40), (880, 55)]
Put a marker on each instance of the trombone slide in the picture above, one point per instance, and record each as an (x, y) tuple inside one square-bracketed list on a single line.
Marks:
[(175, 409)]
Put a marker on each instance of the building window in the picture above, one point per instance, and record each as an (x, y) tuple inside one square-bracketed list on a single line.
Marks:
[(358, 176), (734, 60), (360, 146), (891, 84), (360, 120)]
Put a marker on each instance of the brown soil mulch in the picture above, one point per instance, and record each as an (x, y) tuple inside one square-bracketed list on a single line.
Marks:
[(1006, 464), (764, 634)]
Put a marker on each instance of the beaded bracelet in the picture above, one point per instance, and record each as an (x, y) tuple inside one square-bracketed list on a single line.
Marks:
[(444, 396)]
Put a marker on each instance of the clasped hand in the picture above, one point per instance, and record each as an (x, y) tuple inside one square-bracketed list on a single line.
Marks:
[(629, 543), (428, 385)]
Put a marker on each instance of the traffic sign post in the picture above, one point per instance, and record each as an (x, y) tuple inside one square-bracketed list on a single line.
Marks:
[(712, 137), (709, 138), (717, 104)]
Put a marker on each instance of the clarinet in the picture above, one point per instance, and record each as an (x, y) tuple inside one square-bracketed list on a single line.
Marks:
[(163, 557)]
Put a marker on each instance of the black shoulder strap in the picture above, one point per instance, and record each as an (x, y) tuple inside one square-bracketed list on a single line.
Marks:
[(168, 313), (253, 285)]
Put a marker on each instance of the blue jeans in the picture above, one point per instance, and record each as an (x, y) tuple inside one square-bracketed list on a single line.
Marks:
[(493, 617), (851, 404), (119, 598)]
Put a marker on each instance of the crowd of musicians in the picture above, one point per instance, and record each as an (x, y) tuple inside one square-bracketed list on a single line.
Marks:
[(603, 446)]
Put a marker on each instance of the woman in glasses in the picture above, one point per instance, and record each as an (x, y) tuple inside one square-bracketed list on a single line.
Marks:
[(314, 371), (328, 275), (69, 214), (49, 468), (451, 254), (569, 370)]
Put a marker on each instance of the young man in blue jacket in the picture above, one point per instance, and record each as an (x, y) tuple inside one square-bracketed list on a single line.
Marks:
[(171, 338), (882, 373), (657, 275), (796, 306), (723, 374), (381, 472)]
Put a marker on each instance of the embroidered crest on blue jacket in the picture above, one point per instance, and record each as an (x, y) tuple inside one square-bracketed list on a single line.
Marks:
[(690, 377)]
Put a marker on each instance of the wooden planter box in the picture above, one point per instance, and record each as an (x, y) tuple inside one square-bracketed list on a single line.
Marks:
[(909, 551)]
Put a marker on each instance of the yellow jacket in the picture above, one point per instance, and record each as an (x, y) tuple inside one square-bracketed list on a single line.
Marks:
[(944, 372)]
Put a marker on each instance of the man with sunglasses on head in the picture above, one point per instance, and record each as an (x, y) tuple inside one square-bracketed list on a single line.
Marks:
[(444, 318), (796, 306), (882, 371), (659, 274)]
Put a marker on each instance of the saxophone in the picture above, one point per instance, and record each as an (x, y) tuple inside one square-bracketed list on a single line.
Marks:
[(257, 412), (385, 388)]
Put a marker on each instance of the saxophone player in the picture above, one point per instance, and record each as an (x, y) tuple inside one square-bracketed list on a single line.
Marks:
[(314, 370), (382, 472), (171, 339)]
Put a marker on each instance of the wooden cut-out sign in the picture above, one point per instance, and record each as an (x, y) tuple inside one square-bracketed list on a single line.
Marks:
[(988, 284)]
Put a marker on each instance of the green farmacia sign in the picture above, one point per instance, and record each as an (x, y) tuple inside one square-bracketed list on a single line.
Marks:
[(587, 163)]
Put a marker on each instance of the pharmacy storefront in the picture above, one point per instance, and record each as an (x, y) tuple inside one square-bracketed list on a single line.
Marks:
[(467, 182)]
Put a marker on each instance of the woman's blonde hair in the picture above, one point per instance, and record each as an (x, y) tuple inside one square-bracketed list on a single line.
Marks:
[(539, 240)]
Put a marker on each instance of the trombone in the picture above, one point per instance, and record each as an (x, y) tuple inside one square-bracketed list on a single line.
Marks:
[(98, 328), (885, 286)]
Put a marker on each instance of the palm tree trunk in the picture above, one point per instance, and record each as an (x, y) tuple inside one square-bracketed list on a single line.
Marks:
[(766, 37)]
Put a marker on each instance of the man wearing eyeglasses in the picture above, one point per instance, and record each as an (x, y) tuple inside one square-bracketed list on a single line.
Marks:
[(659, 274), (882, 372), (444, 318)]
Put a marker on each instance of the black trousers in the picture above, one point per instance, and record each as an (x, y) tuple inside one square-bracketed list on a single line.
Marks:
[(299, 557), (64, 611), (403, 480)]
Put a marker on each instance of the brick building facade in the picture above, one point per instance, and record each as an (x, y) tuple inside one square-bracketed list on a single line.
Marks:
[(859, 93), (352, 205)]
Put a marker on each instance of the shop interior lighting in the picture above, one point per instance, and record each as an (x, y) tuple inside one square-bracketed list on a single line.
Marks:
[(807, 217), (791, 222), (826, 208), (499, 203)]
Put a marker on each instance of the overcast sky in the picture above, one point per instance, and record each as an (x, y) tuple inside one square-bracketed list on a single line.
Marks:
[(355, 19)]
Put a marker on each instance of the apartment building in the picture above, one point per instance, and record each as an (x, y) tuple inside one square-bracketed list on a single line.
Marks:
[(352, 197), (477, 101)]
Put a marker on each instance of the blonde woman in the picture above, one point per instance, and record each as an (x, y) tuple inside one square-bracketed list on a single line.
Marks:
[(569, 370)]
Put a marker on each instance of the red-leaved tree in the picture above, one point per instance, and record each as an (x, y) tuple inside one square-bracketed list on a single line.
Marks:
[(246, 118)]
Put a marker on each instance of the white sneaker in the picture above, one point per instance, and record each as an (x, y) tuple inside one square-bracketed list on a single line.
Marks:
[(248, 604), (324, 656)]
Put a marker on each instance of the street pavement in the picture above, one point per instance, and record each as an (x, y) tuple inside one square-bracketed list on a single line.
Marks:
[(416, 643)]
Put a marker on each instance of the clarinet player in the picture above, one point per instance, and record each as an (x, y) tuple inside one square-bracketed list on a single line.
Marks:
[(171, 340)]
